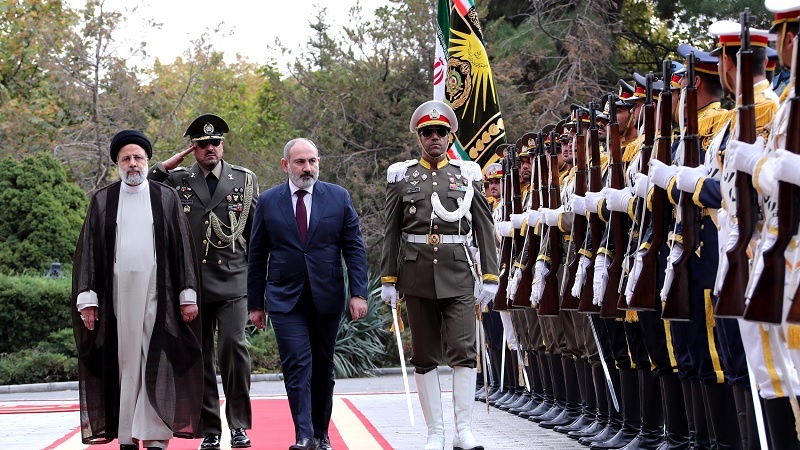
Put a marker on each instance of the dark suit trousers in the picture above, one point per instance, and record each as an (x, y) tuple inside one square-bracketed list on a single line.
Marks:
[(306, 343)]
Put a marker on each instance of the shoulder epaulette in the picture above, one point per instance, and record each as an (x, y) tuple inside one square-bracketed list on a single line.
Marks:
[(397, 171), (243, 169), (469, 169), (178, 169)]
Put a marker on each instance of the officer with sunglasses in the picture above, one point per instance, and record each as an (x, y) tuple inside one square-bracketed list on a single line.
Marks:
[(218, 199), (436, 210)]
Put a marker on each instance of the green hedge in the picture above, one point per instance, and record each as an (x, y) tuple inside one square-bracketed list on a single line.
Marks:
[(32, 307)]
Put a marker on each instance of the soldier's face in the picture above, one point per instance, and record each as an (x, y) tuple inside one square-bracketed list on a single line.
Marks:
[(494, 189), (601, 129), (208, 152), (434, 140), (525, 168), (132, 164), (302, 164), (566, 148)]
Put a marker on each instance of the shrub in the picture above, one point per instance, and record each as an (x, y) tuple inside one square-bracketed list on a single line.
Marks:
[(32, 307), (263, 350), (51, 360)]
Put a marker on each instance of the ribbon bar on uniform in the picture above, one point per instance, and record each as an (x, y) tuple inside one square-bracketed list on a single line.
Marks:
[(435, 239)]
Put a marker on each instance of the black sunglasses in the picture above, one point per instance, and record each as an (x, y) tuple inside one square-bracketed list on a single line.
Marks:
[(428, 131), (206, 142)]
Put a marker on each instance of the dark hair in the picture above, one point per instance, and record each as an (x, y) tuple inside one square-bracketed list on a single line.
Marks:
[(759, 58), (712, 83)]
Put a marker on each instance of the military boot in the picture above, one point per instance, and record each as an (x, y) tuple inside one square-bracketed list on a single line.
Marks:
[(572, 396), (463, 379), (430, 398), (631, 412), (675, 420), (746, 414), (588, 402), (608, 415), (781, 423), (548, 401), (559, 391), (721, 416)]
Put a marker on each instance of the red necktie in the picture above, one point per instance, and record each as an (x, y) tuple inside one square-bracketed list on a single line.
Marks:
[(300, 215)]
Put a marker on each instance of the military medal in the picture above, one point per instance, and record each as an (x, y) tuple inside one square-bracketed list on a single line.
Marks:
[(412, 210), (230, 177), (229, 198), (187, 208), (416, 174), (424, 177), (414, 183)]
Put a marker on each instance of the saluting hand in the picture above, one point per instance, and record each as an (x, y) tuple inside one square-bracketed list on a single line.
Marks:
[(177, 158)]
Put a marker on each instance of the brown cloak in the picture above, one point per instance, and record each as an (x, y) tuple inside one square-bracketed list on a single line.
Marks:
[(174, 367)]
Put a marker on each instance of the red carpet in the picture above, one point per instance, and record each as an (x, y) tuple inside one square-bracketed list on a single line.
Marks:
[(273, 429)]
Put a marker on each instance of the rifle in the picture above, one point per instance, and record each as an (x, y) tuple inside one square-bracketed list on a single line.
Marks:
[(500, 303), (677, 303), (531, 244), (643, 214), (578, 233), (734, 283), (618, 219), (516, 208), (767, 300), (549, 305), (595, 223)]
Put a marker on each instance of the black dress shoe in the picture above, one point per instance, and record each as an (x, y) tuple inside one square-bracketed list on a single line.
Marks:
[(239, 438), (128, 446), (324, 443), (304, 444), (210, 442)]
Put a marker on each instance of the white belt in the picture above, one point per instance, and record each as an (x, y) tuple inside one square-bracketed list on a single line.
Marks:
[(435, 239)]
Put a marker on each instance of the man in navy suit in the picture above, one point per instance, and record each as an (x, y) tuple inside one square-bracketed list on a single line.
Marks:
[(303, 230)]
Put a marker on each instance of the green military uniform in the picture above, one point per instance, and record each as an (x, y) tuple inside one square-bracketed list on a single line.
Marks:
[(221, 228)]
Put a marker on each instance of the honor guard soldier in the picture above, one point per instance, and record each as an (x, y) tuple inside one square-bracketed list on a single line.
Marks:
[(435, 209), (218, 198)]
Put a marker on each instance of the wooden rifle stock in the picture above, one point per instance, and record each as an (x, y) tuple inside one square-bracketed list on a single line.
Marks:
[(767, 302), (516, 208), (643, 214), (731, 300), (618, 219), (549, 305), (568, 301), (595, 223), (500, 303), (522, 298), (678, 305)]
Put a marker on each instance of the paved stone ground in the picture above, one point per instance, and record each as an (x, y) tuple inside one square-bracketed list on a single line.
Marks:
[(380, 399)]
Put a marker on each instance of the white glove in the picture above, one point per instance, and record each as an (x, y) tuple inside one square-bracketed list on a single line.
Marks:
[(389, 295), (688, 177), (618, 199), (550, 216), (600, 280), (578, 204), (516, 220), (786, 166), (580, 275), (540, 271), (641, 185), (533, 217), (743, 156), (633, 277), (725, 230), (593, 200), (513, 283), (504, 228), (767, 183), (767, 243), (674, 255), (488, 291), (661, 174), (733, 237)]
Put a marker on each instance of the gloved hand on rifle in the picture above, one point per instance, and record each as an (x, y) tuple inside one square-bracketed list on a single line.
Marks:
[(688, 177), (743, 156), (633, 277), (488, 291), (641, 185), (389, 295), (550, 216), (787, 166), (513, 283), (578, 204), (540, 271), (618, 200), (593, 201), (533, 217), (504, 228), (600, 280), (580, 275), (517, 219), (661, 174)]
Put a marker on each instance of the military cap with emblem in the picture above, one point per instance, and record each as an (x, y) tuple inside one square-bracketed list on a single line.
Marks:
[(772, 59), (206, 126), (526, 144), (126, 137), (493, 171), (703, 61), (561, 131), (728, 34), (433, 112), (577, 113), (786, 12), (546, 136), (625, 97), (641, 84)]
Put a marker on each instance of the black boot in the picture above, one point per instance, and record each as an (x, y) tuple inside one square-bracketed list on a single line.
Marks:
[(572, 407), (614, 422), (702, 429), (631, 414), (497, 366), (721, 412), (547, 387), (597, 402), (587, 412), (746, 414), (781, 424), (559, 390), (676, 422), (535, 392), (516, 390), (651, 434)]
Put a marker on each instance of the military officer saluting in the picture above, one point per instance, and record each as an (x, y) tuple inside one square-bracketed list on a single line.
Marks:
[(218, 199), (436, 208)]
